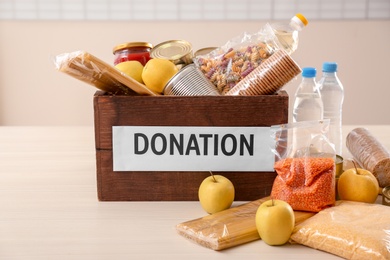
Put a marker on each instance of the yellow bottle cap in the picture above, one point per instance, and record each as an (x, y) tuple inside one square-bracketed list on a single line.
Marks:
[(302, 18)]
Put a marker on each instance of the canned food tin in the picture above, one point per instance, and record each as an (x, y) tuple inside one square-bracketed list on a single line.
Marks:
[(190, 81), (339, 165), (204, 51), (386, 196), (177, 51), (339, 171)]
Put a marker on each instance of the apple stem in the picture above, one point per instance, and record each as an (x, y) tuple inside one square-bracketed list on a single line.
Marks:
[(272, 202), (215, 180), (354, 164)]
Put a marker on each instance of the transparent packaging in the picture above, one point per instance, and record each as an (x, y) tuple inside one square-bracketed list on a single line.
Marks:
[(269, 77), (287, 33), (249, 64), (227, 65), (228, 228), (352, 230), (305, 165), (96, 72), (370, 153), (307, 101), (332, 96)]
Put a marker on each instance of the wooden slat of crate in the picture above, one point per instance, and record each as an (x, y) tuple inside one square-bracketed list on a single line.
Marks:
[(179, 111)]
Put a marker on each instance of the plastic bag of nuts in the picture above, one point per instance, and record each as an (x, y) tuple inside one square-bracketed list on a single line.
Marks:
[(305, 165)]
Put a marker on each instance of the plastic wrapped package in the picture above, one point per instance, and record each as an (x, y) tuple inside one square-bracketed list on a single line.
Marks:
[(352, 230), (270, 76), (228, 228), (370, 154), (92, 70), (305, 165), (250, 64), (227, 65)]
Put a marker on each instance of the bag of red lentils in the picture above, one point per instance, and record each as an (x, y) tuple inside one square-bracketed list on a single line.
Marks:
[(305, 165)]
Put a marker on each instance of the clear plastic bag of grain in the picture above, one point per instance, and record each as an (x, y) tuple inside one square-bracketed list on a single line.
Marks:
[(305, 165), (352, 230)]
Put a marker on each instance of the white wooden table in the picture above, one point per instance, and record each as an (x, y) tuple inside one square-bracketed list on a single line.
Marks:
[(49, 207)]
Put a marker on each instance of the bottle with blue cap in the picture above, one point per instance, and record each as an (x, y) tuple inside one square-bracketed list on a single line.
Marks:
[(332, 95), (308, 104)]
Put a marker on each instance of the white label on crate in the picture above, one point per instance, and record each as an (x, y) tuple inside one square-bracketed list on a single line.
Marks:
[(171, 148)]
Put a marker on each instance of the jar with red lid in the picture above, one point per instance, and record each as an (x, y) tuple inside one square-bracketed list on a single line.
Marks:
[(139, 51)]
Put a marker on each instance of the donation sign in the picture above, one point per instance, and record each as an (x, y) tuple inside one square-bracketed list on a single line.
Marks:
[(177, 148)]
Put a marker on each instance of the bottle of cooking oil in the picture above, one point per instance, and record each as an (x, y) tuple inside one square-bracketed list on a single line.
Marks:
[(287, 33)]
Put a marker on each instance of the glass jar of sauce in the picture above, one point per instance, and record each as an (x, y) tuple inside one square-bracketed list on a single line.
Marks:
[(139, 51)]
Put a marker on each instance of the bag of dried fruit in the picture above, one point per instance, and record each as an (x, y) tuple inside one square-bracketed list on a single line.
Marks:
[(305, 165)]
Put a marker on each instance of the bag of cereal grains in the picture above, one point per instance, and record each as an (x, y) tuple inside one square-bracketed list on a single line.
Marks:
[(350, 229), (305, 165)]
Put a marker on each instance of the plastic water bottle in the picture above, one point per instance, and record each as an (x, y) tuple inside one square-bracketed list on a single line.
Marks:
[(332, 95), (308, 103), (287, 33)]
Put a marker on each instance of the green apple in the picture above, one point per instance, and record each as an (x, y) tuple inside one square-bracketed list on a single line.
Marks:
[(216, 193), (358, 185), (275, 222)]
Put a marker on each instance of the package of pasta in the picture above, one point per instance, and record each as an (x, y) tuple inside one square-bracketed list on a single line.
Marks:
[(228, 228), (227, 65), (305, 165), (98, 73), (352, 230)]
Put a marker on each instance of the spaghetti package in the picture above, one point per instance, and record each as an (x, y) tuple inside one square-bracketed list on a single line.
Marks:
[(230, 227), (305, 165), (98, 73)]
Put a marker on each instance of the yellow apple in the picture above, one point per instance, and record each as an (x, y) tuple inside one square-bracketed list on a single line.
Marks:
[(157, 73), (216, 193), (131, 68), (358, 185), (275, 222)]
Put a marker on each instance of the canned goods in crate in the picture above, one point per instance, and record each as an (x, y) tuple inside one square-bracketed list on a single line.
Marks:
[(339, 171), (386, 196), (204, 51), (339, 165), (177, 51), (190, 81)]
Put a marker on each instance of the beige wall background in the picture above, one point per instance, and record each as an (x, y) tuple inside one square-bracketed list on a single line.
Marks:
[(33, 92)]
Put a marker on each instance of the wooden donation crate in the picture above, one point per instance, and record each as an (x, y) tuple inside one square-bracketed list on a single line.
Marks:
[(171, 112)]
